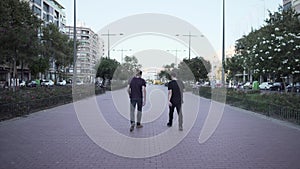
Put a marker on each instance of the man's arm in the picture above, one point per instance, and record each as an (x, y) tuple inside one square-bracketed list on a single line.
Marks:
[(128, 90), (169, 97), (144, 95)]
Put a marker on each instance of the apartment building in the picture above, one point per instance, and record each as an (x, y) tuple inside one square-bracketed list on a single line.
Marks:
[(50, 11), (295, 4), (88, 53)]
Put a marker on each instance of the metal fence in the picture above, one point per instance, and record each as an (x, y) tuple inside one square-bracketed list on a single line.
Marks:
[(271, 110)]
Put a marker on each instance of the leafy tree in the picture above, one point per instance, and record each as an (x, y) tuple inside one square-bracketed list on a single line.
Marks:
[(198, 66), (57, 47), (128, 68), (18, 33), (273, 50), (233, 66), (166, 73), (107, 68)]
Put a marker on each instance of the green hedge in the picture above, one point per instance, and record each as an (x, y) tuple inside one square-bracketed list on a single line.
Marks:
[(278, 105), (29, 100)]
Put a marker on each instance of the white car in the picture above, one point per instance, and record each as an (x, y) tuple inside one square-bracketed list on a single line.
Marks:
[(265, 85), (48, 83), (79, 82), (62, 83), (22, 84)]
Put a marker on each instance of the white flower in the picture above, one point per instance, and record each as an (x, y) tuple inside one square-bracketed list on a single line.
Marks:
[(267, 52), (285, 61), (279, 37), (270, 47), (262, 59), (276, 29), (283, 44), (296, 60), (270, 57)]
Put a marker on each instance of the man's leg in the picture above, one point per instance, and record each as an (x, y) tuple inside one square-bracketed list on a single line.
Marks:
[(180, 116), (132, 109), (139, 113), (171, 111)]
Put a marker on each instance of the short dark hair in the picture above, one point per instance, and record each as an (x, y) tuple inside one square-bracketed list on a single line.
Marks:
[(173, 74), (139, 72)]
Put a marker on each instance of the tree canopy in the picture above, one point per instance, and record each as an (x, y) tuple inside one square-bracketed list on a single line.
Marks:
[(272, 51)]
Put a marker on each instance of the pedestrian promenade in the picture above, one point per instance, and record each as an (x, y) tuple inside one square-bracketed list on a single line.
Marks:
[(78, 136)]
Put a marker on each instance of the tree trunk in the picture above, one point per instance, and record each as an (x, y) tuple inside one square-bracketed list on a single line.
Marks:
[(22, 70), (14, 75)]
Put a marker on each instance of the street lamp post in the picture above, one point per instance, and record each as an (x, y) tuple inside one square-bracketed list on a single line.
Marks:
[(122, 50), (223, 46), (190, 40), (74, 45), (175, 50), (108, 45)]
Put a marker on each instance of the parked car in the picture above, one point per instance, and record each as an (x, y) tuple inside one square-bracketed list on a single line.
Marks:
[(277, 86), (22, 84), (42, 82), (265, 85), (31, 83), (79, 82), (61, 83), (293, 87), (247, 85), (48, 83), (238, 85)]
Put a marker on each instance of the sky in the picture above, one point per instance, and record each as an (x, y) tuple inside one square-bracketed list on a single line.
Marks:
[(206, 16)]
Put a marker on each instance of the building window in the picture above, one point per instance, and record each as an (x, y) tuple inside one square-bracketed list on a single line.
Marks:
[(50, 18), (44, 16), (56, 14), (287, 6), (38, 2), (37, 10), (46, 7), (50, 10)]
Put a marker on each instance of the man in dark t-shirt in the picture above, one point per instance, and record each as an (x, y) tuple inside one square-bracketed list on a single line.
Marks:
[(175, 96), (137, 95)]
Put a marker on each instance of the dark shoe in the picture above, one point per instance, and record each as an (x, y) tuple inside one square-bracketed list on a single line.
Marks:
[(139, 126), (131, 128), (169, 124), (180, 128)]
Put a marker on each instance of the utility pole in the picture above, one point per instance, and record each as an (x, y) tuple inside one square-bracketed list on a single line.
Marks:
[(108, 41), (122, 50), (175, 50), (190, 41)]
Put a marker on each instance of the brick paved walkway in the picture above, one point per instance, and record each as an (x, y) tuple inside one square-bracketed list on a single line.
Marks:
[(55, 139)]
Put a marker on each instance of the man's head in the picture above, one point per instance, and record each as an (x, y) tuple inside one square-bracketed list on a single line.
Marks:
[(138, 72), (173, 75)]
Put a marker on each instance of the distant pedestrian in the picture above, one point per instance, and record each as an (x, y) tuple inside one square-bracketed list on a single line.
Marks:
[(137, 94), (175, 98)]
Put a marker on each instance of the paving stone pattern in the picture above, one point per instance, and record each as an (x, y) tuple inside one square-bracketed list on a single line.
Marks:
[(54, 139)]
